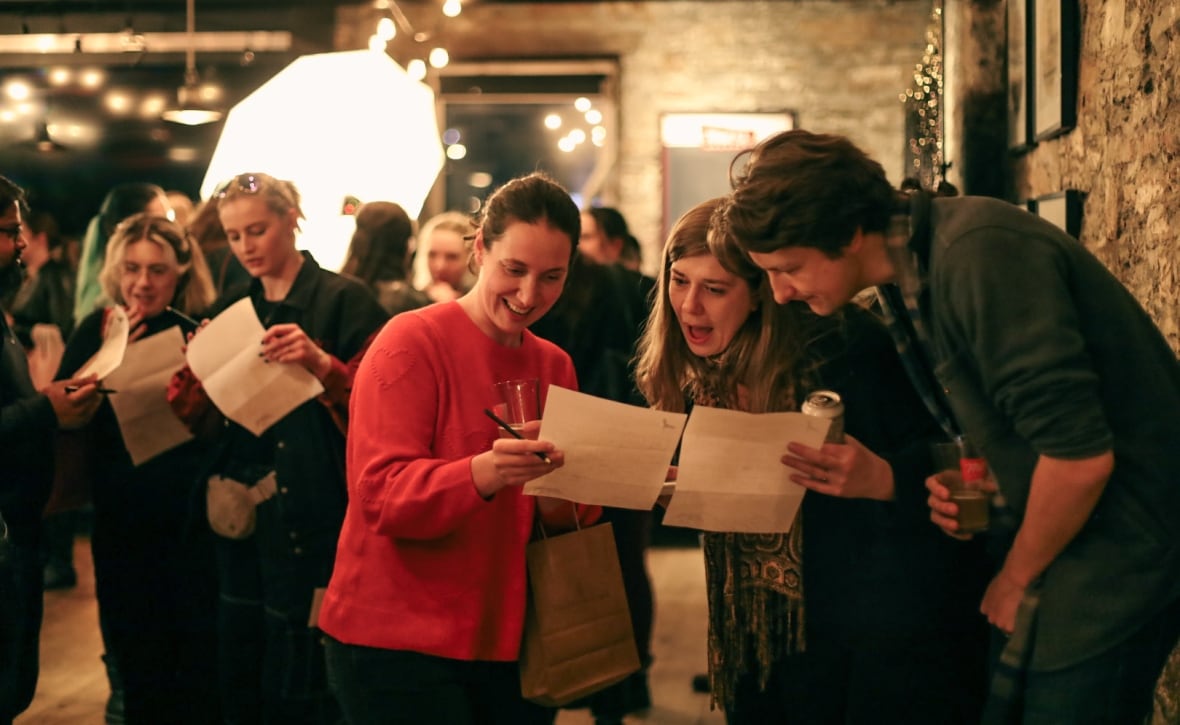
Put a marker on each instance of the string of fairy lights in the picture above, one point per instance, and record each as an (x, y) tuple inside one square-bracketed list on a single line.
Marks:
[(923, 105)]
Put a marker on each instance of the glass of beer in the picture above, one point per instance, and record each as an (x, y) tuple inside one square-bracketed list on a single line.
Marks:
[(961, 458)]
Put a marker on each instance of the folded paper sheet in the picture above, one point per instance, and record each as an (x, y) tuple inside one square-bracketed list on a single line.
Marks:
[(114, 344), (615, 454), (731, 475), (245, 388), (148, 425)]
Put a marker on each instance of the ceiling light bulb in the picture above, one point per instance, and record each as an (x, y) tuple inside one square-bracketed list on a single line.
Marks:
[(553, 121), (439, 57), (451, 8), (582, 103), (386, 29), (376, 44), (416, 69)]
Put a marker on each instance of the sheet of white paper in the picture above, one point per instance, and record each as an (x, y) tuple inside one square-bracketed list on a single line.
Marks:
[(731, 476), (147, 422), (45, 357), (615, 454), (249, 391), (114, 344)]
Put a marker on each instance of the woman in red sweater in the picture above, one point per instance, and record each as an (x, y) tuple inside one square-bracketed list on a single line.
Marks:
[(426, 604)]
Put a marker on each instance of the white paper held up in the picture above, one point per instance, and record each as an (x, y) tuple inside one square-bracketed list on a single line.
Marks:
[(246, 389), (114, 344), (148, 425), (615, 454), (731, 475)]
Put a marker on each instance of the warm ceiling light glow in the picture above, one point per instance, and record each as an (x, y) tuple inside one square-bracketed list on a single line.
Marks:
[(60, 76), (18, 90), (7, 116), (582, 103), (45, 43), (91, 78), (182, 154), (152, 106), (479, 179), (578, 136), (416, 69), (456, 151), (439, 57), (386, 30), (566, 144), (117, 102), (598, 135), (376, 44), (451, 8), (210, 92), (552, 121), (593, 116)]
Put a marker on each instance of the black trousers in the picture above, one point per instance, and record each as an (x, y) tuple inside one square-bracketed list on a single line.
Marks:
[(394, 687), (157, 598), (20, 627)]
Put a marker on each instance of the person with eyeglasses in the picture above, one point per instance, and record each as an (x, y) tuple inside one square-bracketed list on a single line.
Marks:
[(271, 657), (121, 201), (153, 569), (28, 421)]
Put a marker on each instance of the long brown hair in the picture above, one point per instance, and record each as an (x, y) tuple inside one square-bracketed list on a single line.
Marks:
[(767, 354)]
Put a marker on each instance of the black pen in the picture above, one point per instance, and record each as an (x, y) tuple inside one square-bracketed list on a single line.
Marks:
[(500, 422), (76, 388)]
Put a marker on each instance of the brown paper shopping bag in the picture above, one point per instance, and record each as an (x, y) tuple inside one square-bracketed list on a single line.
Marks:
[(577, 637)]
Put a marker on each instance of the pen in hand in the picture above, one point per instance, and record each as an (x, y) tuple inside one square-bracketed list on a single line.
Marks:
[(500, 422), (76, 388)]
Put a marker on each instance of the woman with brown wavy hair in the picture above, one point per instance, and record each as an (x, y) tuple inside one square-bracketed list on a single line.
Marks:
[(862, 611)]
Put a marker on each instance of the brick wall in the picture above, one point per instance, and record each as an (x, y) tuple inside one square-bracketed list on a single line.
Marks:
[(839, 65), (1125, 152)]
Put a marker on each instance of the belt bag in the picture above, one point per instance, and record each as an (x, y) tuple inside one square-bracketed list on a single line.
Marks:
[(230, 505)]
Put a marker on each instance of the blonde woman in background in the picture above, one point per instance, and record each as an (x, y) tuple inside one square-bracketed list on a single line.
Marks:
[(271, 660), (153, 570), (440, 264)]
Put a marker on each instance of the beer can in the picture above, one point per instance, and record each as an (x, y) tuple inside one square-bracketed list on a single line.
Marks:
[(827, 404)]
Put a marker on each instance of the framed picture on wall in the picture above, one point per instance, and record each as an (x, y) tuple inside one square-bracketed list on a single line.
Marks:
[(1054, 77), (697, 149), (1064, 209), (1019, 39)]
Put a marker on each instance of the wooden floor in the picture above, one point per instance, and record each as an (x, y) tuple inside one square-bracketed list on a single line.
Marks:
[(73, 688)]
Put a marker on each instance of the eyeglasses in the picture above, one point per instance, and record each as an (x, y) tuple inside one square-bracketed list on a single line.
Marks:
[(241, 184), (12, 232)]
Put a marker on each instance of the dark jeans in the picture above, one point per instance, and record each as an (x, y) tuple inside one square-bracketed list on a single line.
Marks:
[(1112, 688), (393, 687), (929, 680), (270, 662), (20, 628), (157, 599)]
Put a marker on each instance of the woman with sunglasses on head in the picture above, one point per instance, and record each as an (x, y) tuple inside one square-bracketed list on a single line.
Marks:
[(862, 612), (271, 663), (153, 570), (425, 611)]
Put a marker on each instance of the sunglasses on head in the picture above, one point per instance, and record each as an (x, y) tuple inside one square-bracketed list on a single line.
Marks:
[(240, 184)]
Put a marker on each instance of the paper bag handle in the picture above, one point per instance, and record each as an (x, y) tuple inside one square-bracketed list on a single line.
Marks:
[(577, 522)]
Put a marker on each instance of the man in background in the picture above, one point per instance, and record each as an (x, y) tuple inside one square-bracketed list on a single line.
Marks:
[(28, 420)]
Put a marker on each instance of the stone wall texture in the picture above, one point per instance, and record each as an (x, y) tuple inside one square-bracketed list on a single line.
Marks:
[(1124, 154), (839, 65)]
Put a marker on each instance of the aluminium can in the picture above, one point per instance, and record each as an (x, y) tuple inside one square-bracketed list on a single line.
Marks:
[(827, 404)]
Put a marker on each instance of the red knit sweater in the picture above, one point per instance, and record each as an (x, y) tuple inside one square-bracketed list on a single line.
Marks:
[(424, 562)]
